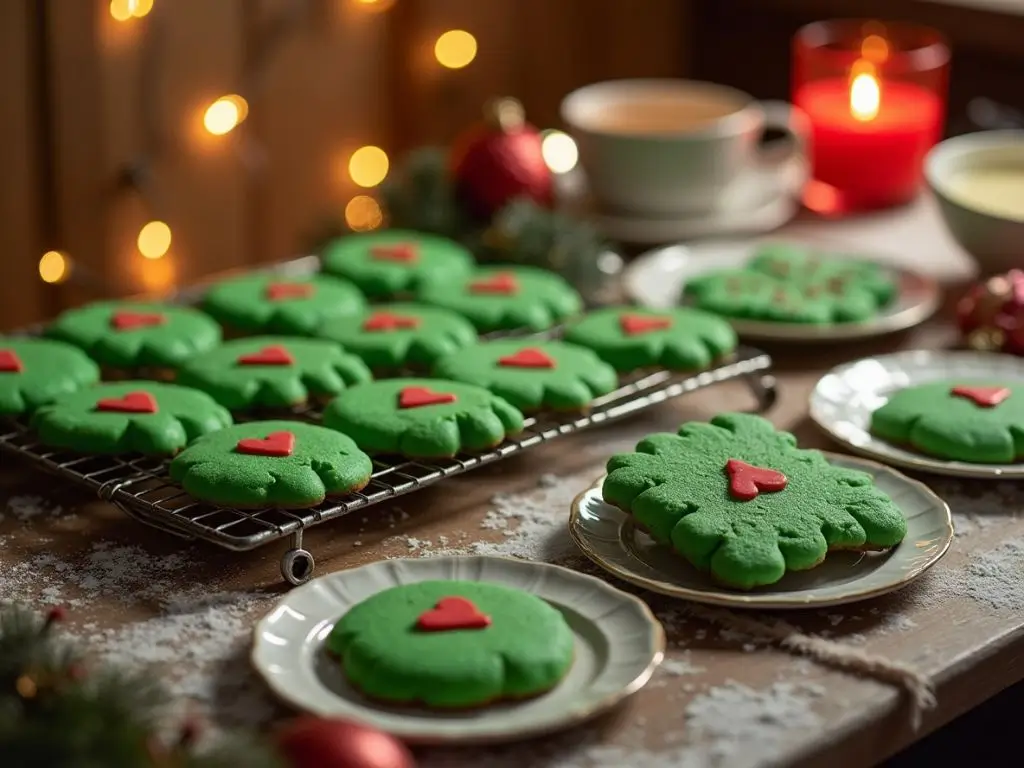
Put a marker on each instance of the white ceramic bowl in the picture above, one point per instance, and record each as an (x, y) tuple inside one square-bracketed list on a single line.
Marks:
[(995, 242)]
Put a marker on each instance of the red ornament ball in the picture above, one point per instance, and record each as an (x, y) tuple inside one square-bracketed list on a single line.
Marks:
[(500, 160), (991, 314), (315, 742)]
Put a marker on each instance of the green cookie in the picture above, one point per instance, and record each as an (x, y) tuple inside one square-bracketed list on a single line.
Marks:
[(129, 416), (975, 421), (422, 644), (391, 336), (125, 334), (261, 464), (677, 339), (34, 372), (422, 418), (507, 298), (396, 262), (807, 268), (532, 375), (740, 500), (266, 303), (273, 372)]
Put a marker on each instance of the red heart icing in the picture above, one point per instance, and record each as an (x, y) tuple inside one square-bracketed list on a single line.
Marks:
[(633, 325), (10, 362), (985, 397), (503, 282), (284, 291), (417, 397), (129, 321), (386, 321), (133, 402), (452, 613), (747, 481), (272, 355), (275, 444), (527, 358), (403, 252)]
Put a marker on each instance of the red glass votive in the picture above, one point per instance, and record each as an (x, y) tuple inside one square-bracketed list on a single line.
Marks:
[(875, 94)]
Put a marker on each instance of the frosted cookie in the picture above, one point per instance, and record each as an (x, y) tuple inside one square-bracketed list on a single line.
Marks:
[(507, 298), (124, 334), (422, 418), (273, 372), (740, 500), (286, 464), (34, 372), (452, 644), (393, 262), (400, 336), (974, 421), (129, 416), (532, 375), (279, 304), (677, 339)]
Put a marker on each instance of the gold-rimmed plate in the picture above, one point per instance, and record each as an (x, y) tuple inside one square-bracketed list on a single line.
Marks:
[(608, 536), (619, 643)]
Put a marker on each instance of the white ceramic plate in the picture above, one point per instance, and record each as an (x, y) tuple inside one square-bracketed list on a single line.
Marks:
[(656, 279), (844, 399), (607, 536), (618, 645)]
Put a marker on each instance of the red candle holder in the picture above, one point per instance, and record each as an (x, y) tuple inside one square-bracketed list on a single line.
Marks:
[(875, 94)]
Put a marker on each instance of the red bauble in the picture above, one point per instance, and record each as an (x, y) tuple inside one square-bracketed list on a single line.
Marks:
[(991, 314), (499, 160), (315, 742)]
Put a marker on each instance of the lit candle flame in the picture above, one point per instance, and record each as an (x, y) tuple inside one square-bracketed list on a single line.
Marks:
[(865, 94)]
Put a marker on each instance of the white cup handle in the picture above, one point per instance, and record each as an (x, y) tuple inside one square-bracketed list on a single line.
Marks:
[(788, 158)]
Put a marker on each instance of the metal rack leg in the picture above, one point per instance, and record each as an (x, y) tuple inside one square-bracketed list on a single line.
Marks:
[(297, 564), (765, 389)]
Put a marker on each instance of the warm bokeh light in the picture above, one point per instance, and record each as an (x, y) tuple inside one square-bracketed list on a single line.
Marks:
[(374, 5), (225, 113), (875, 48), (157, 276), (154, 240), (865, 97), (368, 166), (559, 151), (54, 267), (455, 49), (363, 213), (122, 10)]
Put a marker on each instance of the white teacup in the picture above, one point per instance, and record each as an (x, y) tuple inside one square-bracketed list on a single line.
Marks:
[(671, 147)]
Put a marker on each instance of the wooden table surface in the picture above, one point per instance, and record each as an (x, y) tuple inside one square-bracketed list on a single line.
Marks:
[(721, 698)]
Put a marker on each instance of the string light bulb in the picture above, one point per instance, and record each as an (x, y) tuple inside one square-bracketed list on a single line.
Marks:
[(363, 213), (368, 166), (54, 267), (154, 240), (455, 49), (224, 115), (559, 151), (123, 10)]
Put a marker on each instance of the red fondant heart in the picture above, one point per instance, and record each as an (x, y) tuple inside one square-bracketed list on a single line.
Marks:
[(275, 444), (402, 252), (285, 291), (527, 358), (272, 355), (503, 282), (129, 321), (10, 362), (133, 402), (452, 613), (633, 325), (985, 397), (417, 397), (386, 321), (746, 481)]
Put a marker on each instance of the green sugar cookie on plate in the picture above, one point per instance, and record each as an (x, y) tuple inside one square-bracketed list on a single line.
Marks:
[(980, 422), (507, 298), (630, 338), (129, 416), (394, 336), (279, 304), (123, 334), (273, 372), (805, 267), (287, 464), (392, 263), (742, 501), (34, 372), (532, 375), (422, 418), (452, 645)]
